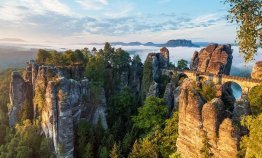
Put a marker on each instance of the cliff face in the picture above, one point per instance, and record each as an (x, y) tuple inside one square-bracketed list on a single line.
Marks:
[(20, 91), (158, 61), (64, 101), (213, 59), (200, 120), (257, 70), (60, 96), (58, 102)]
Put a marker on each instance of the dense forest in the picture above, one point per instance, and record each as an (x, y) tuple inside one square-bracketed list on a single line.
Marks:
[(138, 127)]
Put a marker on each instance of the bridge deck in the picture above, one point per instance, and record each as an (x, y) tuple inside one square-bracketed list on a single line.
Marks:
[(248, 79)]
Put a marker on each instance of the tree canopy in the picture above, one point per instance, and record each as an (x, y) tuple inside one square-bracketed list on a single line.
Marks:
[(151, 114), (182, 64), (248, 15)]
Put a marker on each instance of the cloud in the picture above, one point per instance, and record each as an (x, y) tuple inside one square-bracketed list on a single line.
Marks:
[(56, 19), (19, 10), (93, 4)]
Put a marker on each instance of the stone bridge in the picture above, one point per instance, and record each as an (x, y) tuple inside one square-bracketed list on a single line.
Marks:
[(245, 83)]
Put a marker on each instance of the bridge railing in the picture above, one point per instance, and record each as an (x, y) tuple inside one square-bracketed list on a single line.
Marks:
[(248, 79)]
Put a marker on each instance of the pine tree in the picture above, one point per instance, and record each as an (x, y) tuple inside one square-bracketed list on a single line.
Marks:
[(115, 152)]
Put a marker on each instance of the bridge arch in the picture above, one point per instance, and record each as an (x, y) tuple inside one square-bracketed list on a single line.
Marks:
[(181, 77), (234, 87), (246, 84), (202, 78), (231, 92)]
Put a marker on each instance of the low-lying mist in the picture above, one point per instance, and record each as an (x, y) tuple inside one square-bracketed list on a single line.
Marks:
[(18, 55)]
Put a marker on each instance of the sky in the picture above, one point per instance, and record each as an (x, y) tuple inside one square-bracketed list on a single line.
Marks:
[(86, 21)]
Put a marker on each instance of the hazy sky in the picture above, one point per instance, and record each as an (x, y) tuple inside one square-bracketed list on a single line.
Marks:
[(81, 21)]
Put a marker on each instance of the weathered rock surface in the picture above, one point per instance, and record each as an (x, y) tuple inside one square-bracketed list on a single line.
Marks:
[(212, 116), (190, 121), (58, 102), (100, 111), (135, 78), (165, 54), (199, 120), (64, 101), (169, 97), (213, 59), (257, 70), (153, 90), (176, 93), (17, 97), (227, 96), (159, 60)]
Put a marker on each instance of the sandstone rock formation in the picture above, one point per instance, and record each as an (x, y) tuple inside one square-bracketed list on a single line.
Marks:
[(169, 97), (165, 54), (58, 102), (213, 59), (20, 90), (64, 102), (257, 70), (61, 96), (153, 90), (200, 120), (158, 61), (100, 111)]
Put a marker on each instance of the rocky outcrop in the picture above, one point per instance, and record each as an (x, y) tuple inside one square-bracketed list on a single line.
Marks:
[(18, 96), (100, 111), (135, 78), (59, 102), (190, 121), (194, 61), (176, 94), (64, 101), (165, 54), (227, 96), (200, 121), (158, 61), (257, 70), (216, 59), (169, 97), (153, 90)]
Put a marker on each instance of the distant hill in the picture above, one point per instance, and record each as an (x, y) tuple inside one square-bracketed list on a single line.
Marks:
[(170, 43), (179, 43)]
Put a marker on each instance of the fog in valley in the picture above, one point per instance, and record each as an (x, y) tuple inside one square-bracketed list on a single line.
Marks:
[(17, 55)]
